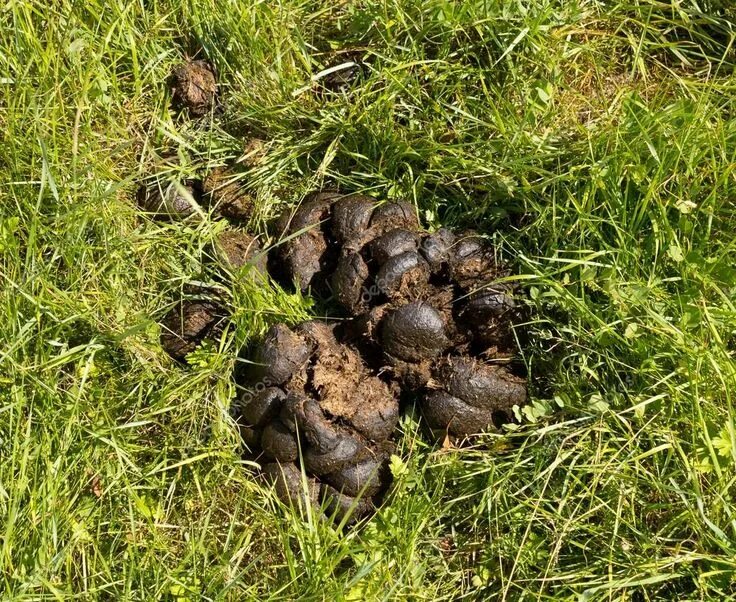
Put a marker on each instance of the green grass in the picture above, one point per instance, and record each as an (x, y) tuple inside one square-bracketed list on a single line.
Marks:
[(595, 141)]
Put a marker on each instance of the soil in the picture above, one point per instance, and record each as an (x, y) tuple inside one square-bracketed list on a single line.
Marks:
[(193, 87)]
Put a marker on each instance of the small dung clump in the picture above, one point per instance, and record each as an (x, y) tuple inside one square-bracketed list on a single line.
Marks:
[(224, 195), (189, 323), (172, 201), (311, 399), (306, 258), (193, 87), (323, 238), (472, 396), (414, 332), (237, 249), (220, 194)]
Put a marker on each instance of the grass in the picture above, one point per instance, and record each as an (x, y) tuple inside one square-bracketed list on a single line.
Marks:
[(595, 141)]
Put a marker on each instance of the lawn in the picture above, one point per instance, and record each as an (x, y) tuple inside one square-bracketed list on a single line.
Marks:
[(593, 141)]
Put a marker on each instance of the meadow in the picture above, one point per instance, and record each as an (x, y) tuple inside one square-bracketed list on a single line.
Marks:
[(594, 141)]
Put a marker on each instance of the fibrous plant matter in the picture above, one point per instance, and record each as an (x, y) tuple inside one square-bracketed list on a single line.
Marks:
[(311, 400), (193, 87)]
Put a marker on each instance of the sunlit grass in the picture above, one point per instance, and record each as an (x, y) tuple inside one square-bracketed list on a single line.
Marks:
[(594, 141)]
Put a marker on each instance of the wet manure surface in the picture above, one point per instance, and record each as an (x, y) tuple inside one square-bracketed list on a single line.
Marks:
[(424, 314)]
